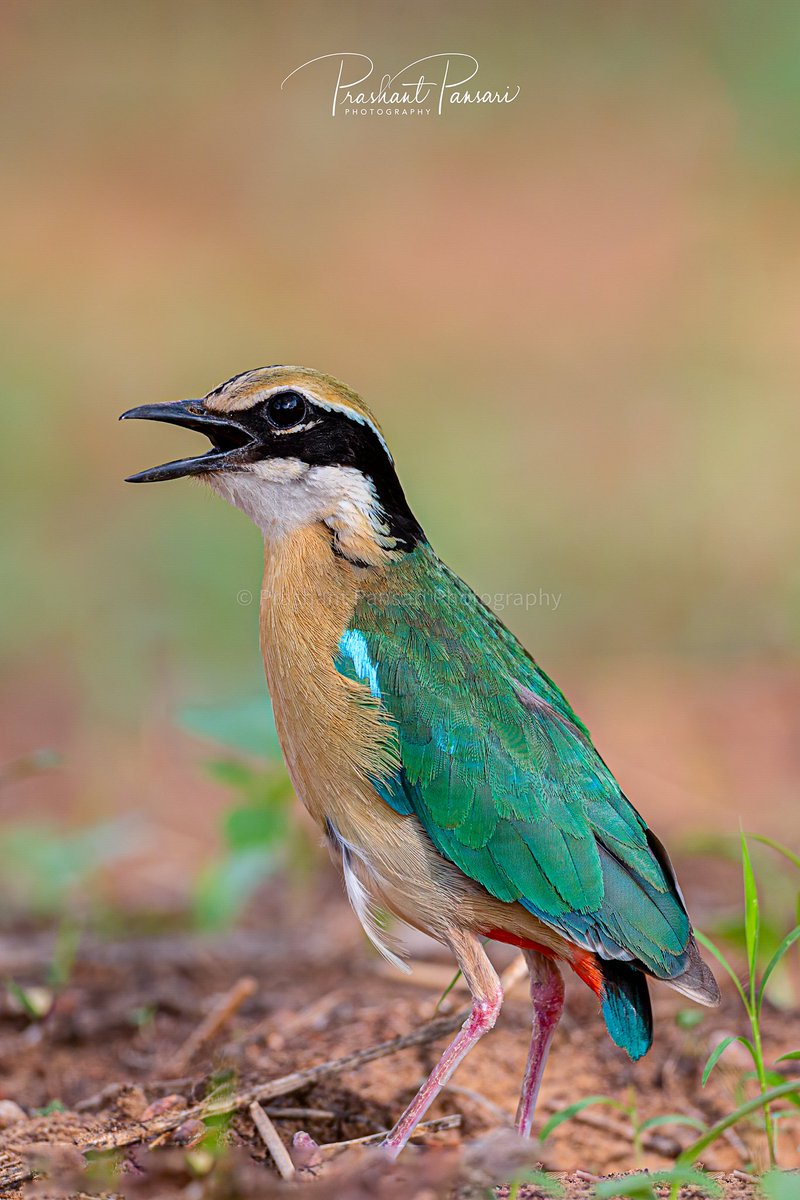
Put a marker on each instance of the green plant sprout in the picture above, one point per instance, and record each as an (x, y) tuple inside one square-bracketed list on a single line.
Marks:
[(772, 1085), (45, 869), (642, 1186), (630, 1108), (258, 833), (543, 1181), (781, 1185), (752, 998)]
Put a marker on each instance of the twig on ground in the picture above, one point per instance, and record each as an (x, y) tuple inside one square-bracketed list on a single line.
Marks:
[(434, 977), (437, 977), (232, 1102), (484, 1102), (514, 973), (220, 1014), (272, 1140), (437, 1125), (301, 1114), (98, 1099)]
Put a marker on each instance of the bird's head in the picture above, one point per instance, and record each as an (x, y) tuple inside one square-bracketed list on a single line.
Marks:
[(292, 448)]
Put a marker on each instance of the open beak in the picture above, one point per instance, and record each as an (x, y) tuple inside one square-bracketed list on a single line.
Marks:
[(231, 443)]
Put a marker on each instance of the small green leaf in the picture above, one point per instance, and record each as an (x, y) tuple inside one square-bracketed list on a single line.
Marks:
[(541, 1180), (232, 772), (572, 1110), (691, 1153), (643, 1185), (225, 888), (784, 850), (781, 1185), (689, 1018), (785, 945), (638, 1187), (773, 1078), (253, 825), (793, 1055), (248, 725), (723, 962), (52, 1106), (673, 1119), (35, 1002), (718, 1051)]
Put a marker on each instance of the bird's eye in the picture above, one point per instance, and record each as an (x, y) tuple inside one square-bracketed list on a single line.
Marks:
[(286, 409)]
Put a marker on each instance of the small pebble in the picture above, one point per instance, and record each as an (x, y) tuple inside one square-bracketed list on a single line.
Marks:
[(189, 1133), (10, 1113), (305, 1151), (164, 1105)]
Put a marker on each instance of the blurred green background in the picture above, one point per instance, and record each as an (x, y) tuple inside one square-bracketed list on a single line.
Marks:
[(576, 317)]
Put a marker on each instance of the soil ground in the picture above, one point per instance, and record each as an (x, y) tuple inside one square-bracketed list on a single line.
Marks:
[(129, 1006)]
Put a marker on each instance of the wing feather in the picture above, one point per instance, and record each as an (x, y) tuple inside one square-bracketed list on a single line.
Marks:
[(503, 775)]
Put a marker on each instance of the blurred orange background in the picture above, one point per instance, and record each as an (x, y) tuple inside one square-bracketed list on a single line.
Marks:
[(575, 315)]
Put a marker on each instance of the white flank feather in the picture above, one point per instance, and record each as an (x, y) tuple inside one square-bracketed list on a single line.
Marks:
[(365, 907)]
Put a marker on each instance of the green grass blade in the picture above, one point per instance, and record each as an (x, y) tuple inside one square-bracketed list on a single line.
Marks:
[(792, 1056), (718, 1051), (688, 1156), (22, 998), (545, 1183), (784, 850), (447, 990), (780, 1185), (785, 945), (722, 960), (673, 1119), (644, 1183), (752, 920), (572, 1110), (636, 1187)]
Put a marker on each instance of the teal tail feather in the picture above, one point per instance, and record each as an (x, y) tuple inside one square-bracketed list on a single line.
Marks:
[(625, 1000)]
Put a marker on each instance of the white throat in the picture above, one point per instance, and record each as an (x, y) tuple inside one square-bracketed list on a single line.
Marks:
[(283, 495)]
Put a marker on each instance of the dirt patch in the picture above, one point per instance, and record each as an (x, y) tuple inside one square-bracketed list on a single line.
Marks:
[(98, 1065)]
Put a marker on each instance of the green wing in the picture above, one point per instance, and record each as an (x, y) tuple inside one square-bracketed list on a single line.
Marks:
[(502, 774)]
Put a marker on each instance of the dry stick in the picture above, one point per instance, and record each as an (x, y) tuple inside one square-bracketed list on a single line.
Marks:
[(514, 973), (18, 1172), (116, 1138), (437, 1125), (484, 1102), (302, 1114), (438, 977), (272, 1141), (220, 1014)]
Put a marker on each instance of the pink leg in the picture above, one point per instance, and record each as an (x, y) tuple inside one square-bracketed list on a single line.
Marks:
[(487, 997), (547, 998)]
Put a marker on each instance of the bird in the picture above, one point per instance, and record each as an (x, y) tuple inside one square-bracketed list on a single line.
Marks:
[(453, 782)]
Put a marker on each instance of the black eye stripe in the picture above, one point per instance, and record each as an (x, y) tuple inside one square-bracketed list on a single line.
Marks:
[(289, 425)]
